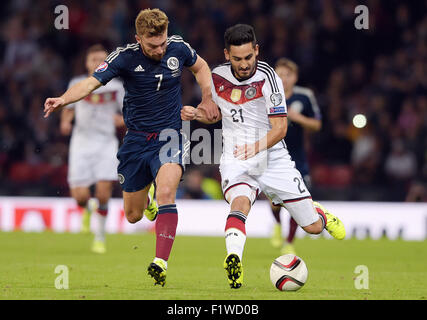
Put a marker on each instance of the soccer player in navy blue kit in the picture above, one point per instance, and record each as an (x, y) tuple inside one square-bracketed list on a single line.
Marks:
[(151, 71), (303, 114)]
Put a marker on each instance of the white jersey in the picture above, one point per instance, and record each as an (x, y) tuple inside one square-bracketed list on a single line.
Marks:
[(246, 106), (94, 115)]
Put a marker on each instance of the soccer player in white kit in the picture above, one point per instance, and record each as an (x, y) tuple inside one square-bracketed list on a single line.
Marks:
[(251, 98), (93, 145)]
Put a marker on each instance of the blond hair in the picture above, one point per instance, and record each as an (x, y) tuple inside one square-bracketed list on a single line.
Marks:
[(287, 63), (151, 22)]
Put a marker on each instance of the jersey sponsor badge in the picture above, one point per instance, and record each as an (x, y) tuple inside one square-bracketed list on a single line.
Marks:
[(250, 92), (102, 67), (173, 63), (235, 95), (276, 98), (276, 110)]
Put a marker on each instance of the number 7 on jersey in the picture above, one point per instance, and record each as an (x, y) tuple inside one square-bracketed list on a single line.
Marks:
[(160, 76)]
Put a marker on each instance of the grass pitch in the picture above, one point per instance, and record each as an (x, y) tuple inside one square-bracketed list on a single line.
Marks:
[(397, 269)]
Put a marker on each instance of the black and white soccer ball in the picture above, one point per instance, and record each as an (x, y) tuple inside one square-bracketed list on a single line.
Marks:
[(288, 272)]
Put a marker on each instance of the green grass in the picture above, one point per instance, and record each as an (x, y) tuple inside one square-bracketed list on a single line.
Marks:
[(397, 269)]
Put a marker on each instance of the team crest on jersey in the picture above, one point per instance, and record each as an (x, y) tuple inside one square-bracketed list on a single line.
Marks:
[(102, 67), (121, 178), (173, 63), (235, 95), (94, 98), (250, 92), (276, 98)]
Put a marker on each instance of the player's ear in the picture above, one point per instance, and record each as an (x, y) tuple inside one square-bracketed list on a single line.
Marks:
[(138, 39), (227, 55), (256, 50)]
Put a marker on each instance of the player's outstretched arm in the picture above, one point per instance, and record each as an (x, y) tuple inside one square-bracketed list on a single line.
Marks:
[(191, 113), (73, 94), (279, 127), (203, 76)]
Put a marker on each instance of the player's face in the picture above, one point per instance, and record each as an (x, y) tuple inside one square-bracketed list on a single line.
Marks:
[(288, 76), (153, 47), (243, 59), (94, 59)]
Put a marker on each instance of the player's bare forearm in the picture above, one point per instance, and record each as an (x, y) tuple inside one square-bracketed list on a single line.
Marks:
[(271, 138), (67, 116), (279, 127), (73, 94), (190, 113), (119, 122), (80, 90), (202, 117), (308, 123), (203, 76)]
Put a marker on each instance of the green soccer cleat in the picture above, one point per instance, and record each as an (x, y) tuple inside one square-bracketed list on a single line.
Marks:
[(276, 237), (152, 208), (157, 270), (99, 247), (288, 249), (234, 269), (333, 225), (85, 221)]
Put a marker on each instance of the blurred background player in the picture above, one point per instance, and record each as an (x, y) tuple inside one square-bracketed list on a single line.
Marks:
[(93, 145), (253, 111), (151, 71), (303, 114)]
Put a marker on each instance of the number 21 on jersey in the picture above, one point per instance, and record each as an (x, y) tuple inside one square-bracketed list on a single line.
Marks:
[(237, 115)]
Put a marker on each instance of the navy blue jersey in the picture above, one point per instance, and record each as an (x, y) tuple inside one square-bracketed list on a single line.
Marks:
[(304, 102), (152, 100)]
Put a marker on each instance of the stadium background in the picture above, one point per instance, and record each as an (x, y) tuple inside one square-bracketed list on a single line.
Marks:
[(380, 72)]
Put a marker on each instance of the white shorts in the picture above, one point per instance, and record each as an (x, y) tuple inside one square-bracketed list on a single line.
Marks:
[(87, 166), (279, 180)]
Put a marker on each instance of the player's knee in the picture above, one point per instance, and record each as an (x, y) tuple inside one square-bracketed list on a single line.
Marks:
[(133, 216), (82, 201), (165, 194), (241, 203), (314, 228), (102, 199)]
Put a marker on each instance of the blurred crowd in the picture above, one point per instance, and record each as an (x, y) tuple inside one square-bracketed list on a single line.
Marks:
[(379, 72)]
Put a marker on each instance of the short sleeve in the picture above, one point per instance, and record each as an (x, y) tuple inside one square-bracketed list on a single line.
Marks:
[(189, 55), (274, 95), (313, 110), (109, 69)]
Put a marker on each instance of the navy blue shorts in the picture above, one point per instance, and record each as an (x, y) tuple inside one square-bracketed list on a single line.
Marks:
[(142, 154)]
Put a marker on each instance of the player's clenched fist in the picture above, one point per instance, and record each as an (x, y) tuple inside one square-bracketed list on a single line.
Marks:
[(188, 113), (51, 104)]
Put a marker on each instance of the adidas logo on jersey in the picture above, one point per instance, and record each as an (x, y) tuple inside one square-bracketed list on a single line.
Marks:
[(139, 68)]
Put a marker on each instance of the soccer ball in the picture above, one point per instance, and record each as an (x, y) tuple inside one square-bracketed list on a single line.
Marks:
[(288, 272)]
